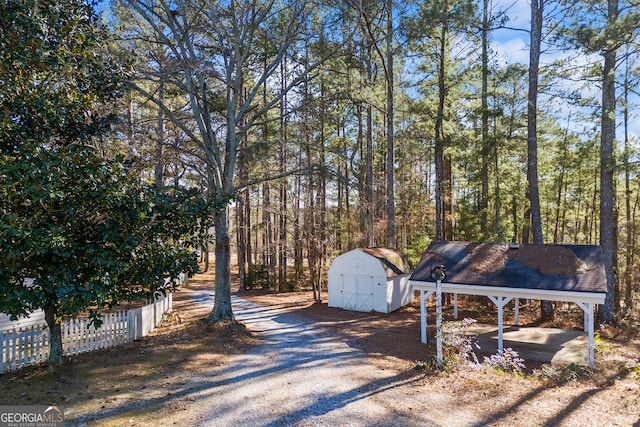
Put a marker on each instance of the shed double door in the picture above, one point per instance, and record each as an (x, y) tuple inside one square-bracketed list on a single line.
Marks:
[(357, 292)]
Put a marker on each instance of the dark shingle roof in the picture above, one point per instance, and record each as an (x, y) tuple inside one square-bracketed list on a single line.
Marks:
[(577, 268)]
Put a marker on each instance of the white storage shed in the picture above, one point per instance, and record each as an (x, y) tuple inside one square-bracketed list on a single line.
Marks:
[(370, 279)]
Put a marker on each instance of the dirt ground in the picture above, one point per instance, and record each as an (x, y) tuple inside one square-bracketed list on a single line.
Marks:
[(139, 383), (396, 336)]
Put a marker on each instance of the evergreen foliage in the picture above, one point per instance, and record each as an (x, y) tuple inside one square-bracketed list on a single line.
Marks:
[(78, 232)]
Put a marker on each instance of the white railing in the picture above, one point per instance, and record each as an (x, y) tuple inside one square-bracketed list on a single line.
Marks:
[(29, 345)]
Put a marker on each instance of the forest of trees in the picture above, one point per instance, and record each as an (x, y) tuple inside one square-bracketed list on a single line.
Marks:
[(341, 124), (384, 123)]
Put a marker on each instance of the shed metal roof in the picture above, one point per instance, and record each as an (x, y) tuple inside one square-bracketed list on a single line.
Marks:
[(577, 268)]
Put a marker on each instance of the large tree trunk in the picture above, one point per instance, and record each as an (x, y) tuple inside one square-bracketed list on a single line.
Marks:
[(242, 246), (438, 133), (532, 134), (269, 246), (298, 220), (532, 123), (629, 218), (222, 304), (447, 197), (361, 183), (607, 166), (369, 202), (284, 186), (558, 230), (243, 242), (484, 166), (55, 335), (391, 204)]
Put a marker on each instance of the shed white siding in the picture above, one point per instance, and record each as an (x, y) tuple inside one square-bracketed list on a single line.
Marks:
[(358, 281)]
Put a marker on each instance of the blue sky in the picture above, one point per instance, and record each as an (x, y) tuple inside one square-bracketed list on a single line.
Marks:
[(513, 46)]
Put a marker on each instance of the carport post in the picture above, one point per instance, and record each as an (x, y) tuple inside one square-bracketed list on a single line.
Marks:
[(439, 357), (423, 314), (500, 302), (587, 307)]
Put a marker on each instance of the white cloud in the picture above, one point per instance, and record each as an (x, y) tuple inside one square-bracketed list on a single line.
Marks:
[(511, 51)]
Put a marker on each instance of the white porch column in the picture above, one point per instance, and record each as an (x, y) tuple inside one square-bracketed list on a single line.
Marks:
[(423, 314), (588, 307), (439, 356), (500, 302)]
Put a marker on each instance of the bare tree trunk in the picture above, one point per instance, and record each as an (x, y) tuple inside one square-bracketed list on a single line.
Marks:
[(297, 235), (284, 185), (207, 260), (55, 335), (532, 127), (370, 237), (243, 233), (514, 216), (559, 195), (447, 199), (498, 207), (241, 247), (438, 133), (311, 228), (268, 248), (222, 304), (361, 180), (629, 220), (484, 167), (532, 133), (526, 225), (391, 204), (590, 220), (607, 167), (320, 213), (248, 222), (244, 225), (342, 176)]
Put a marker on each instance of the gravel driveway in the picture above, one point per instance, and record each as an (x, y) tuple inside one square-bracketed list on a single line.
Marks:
[(301, 376)]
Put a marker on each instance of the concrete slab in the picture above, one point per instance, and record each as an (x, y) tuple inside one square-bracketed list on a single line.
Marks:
[(538, 344)]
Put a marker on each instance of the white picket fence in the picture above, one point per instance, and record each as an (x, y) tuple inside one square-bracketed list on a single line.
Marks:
[(29, 345)]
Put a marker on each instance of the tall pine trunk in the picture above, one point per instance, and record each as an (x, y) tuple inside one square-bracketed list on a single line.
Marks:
[(630, 222), (533, 193), (438, 132), (484, 166), (391, 204), (284, 186), (607, 166), (369, 209)]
